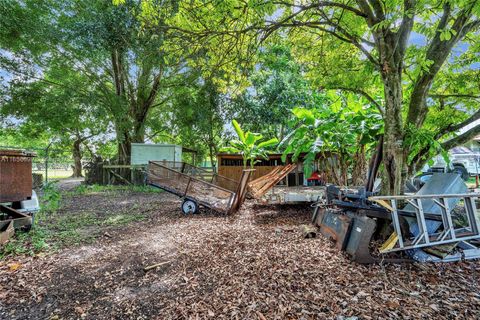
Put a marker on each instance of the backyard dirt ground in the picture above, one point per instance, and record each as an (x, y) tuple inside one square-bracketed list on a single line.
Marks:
[(252, 265)]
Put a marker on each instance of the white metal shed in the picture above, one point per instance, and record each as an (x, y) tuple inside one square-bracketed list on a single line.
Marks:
[(143, 152)]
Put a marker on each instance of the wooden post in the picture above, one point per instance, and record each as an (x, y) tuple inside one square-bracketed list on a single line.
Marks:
[(241, 192), (103, 176), (296, 176), (120, 177)]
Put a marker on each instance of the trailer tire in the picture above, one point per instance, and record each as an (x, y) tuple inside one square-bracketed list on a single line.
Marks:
[(189, 206)]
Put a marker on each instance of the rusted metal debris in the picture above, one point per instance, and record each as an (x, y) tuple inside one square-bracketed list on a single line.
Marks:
[(308, 231), (438, 223), (335, 227), (6, 232), (293, 195), (15, 175), (11, 220), (15, 187)]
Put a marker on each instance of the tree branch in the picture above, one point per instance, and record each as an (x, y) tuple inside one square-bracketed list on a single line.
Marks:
[(343, 35), (462, 138), (367, 10), (473, 25), (406, 26), (454, 95), (325, 4), (167, 98), (377, 8), (352, 39), (455, 127), (437, 52)]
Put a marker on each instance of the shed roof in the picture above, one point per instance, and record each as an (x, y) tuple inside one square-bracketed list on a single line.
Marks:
[(270, 155)]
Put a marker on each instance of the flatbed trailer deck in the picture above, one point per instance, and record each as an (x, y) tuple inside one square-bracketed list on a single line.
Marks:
[(292, 195)]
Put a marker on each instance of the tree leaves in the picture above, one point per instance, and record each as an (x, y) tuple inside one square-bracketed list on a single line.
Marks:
[(247, 147), (238, 130), (340, 128), (306, 116), (268, 143)]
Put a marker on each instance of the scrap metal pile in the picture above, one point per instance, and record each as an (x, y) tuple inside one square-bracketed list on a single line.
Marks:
[(437, 223)]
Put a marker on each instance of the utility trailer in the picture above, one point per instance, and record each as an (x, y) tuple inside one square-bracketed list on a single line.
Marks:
[(197, 186)]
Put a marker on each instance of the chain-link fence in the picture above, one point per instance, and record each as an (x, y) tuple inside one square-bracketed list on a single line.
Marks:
[(49, 164)]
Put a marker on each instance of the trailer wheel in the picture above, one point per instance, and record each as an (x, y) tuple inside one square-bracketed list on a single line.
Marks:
[(189, 206)]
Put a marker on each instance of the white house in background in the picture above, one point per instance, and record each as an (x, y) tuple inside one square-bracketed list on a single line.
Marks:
[(474, 144), (464, 159)]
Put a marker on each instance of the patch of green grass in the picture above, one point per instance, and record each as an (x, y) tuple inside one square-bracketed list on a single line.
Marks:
[(95, 188), (28, 243), (75, 221), (50, 201), (70, 237), (54, 229)]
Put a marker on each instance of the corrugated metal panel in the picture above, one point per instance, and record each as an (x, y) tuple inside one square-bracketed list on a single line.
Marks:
[(440, 183)]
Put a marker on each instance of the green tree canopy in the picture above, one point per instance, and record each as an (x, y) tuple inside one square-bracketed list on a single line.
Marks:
[(365, 46), (124, 66)]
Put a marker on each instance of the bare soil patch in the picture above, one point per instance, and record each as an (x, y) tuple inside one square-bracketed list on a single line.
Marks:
[(253, 265)]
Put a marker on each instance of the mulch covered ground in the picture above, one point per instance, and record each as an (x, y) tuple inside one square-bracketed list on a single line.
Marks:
[(253, 265)]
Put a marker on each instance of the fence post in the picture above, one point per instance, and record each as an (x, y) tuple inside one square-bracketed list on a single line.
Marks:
[(46, 162)]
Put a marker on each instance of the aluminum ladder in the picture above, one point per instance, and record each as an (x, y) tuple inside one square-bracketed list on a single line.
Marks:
[(448, 233)]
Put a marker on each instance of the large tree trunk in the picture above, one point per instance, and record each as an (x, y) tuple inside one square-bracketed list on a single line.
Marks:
[(126, 138), (124, 155), (77, 159), (124, 145), (394, 154)]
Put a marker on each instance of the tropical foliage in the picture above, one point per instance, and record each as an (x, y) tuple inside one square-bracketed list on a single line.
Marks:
[(179, 71), (249, 146), (341, 130), (277, 86), (404, 56)]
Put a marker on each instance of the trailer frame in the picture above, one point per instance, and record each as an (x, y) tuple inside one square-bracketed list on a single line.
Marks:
[(190, 182)]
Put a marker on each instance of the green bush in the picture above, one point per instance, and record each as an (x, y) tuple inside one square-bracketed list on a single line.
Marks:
[(51, 198)]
